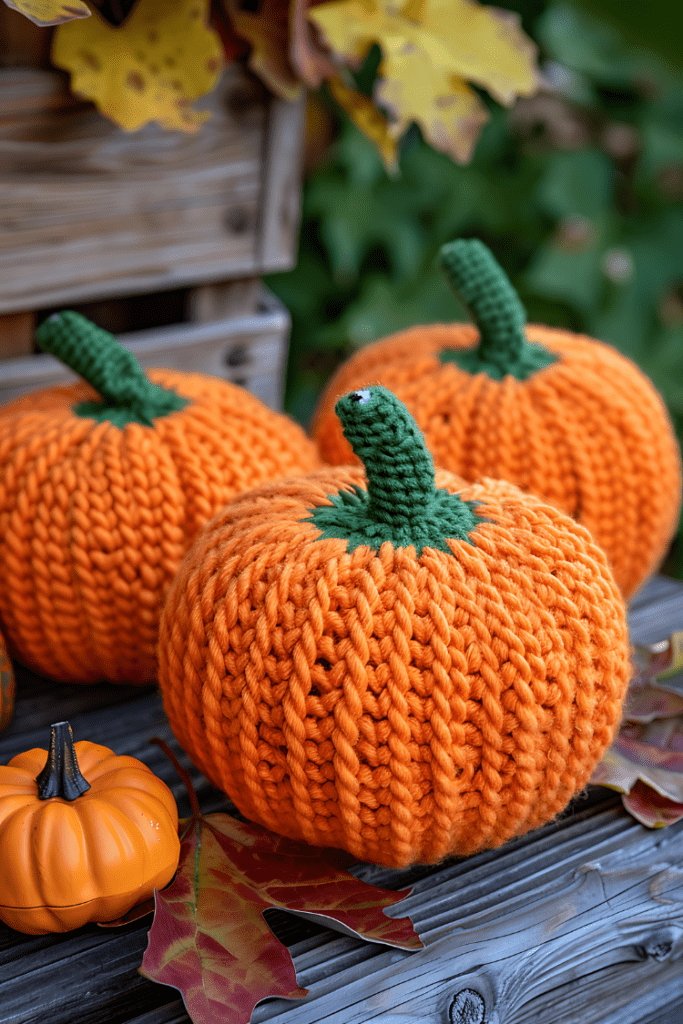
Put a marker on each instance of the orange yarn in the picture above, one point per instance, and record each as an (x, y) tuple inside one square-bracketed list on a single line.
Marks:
[(402, 708), (589, 432), (7, 686), (95, 518)]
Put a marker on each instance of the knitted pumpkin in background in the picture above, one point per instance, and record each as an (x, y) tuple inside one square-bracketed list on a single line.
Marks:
[(558, 414), (7, 686), (103, 486), (403, 665)]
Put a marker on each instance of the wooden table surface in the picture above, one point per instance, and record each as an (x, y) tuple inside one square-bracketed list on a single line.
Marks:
[(579, 923)]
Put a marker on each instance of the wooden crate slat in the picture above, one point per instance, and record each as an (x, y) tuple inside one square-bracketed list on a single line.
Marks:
[(282, 191), (16, 334), (89, 211), (223, 300), (249, 350)]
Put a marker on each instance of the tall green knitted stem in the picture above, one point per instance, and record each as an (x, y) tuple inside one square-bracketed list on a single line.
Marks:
[(114, 372), (481, 284), (402, 503)]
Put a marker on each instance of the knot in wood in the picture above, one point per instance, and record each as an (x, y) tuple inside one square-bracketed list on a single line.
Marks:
[(468, 1007)]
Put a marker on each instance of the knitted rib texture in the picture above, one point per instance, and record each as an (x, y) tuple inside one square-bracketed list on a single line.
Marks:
[(399, 708), (94, 519), (589, 433)]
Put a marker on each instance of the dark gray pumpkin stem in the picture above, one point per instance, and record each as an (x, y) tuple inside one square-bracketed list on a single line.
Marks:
[(61, 775)]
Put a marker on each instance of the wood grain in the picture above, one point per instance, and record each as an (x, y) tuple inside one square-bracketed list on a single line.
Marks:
[(223, 300), (16, 334), (580, 922), (280, 210), (89, 211), (249, 350)]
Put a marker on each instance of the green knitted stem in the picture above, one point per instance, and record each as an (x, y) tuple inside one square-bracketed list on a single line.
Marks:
[(481, 284), (402, 504), (128, 394)]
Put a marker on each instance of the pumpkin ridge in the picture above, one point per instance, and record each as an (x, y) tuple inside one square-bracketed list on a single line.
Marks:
[(23, 612)]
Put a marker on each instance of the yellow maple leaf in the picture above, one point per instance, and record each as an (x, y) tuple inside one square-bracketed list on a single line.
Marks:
[(150, 68), (430, 50), (50, 12), (368, 119), (450, 114)]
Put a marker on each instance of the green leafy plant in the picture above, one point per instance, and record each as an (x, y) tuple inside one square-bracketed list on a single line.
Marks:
[(577, 190)]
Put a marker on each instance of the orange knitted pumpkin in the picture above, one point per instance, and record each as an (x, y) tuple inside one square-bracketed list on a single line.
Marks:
[(81, 847), (407, 666), (102, 489), (558, 414)]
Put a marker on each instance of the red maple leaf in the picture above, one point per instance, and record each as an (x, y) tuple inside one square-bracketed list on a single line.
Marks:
[(209, 938)]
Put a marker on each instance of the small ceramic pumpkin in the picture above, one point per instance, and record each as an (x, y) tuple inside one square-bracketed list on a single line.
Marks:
[(7, 686), (558, 414), (400, 664), (103, 485), (84, 835)]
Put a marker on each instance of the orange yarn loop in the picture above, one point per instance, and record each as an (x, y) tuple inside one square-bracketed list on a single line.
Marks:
[(95, 518), (402, 708), (589, 432)]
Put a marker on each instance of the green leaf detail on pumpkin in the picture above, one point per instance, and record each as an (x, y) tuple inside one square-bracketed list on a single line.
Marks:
[(402, 504), (481, 284)]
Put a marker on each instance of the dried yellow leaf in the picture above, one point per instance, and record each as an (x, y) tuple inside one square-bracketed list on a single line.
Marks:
[(149, 68), (431, 49), (50, 12), (268, 31), (486, 46), (450, 114), (367, 119)]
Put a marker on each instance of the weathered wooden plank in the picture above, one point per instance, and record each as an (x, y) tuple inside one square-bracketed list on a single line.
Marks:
[(250, 350), (281, 190), (16, 334), (223, 300), (581, 921), (655, 611), (89, 211), (22, 42)]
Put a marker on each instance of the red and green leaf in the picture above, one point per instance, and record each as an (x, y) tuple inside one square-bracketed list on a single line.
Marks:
[(645, 761), (209, 938)]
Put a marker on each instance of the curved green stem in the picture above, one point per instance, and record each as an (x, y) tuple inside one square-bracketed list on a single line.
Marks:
[(480, 282), (402, 503), (398, 466), (113, 371), (61, 775)]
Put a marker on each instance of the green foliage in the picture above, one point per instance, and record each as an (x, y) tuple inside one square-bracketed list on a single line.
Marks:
[(578, 192)]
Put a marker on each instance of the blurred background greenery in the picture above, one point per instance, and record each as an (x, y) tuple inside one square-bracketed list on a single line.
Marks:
[(577, 190)]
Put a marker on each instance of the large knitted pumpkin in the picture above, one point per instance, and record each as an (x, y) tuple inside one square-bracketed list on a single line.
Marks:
[(402, 665), (103, 485), (7, 686), (559, 414)]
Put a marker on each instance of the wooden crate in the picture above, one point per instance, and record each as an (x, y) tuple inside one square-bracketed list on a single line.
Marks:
[(93, 216), (89, 211), (248, 349)]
